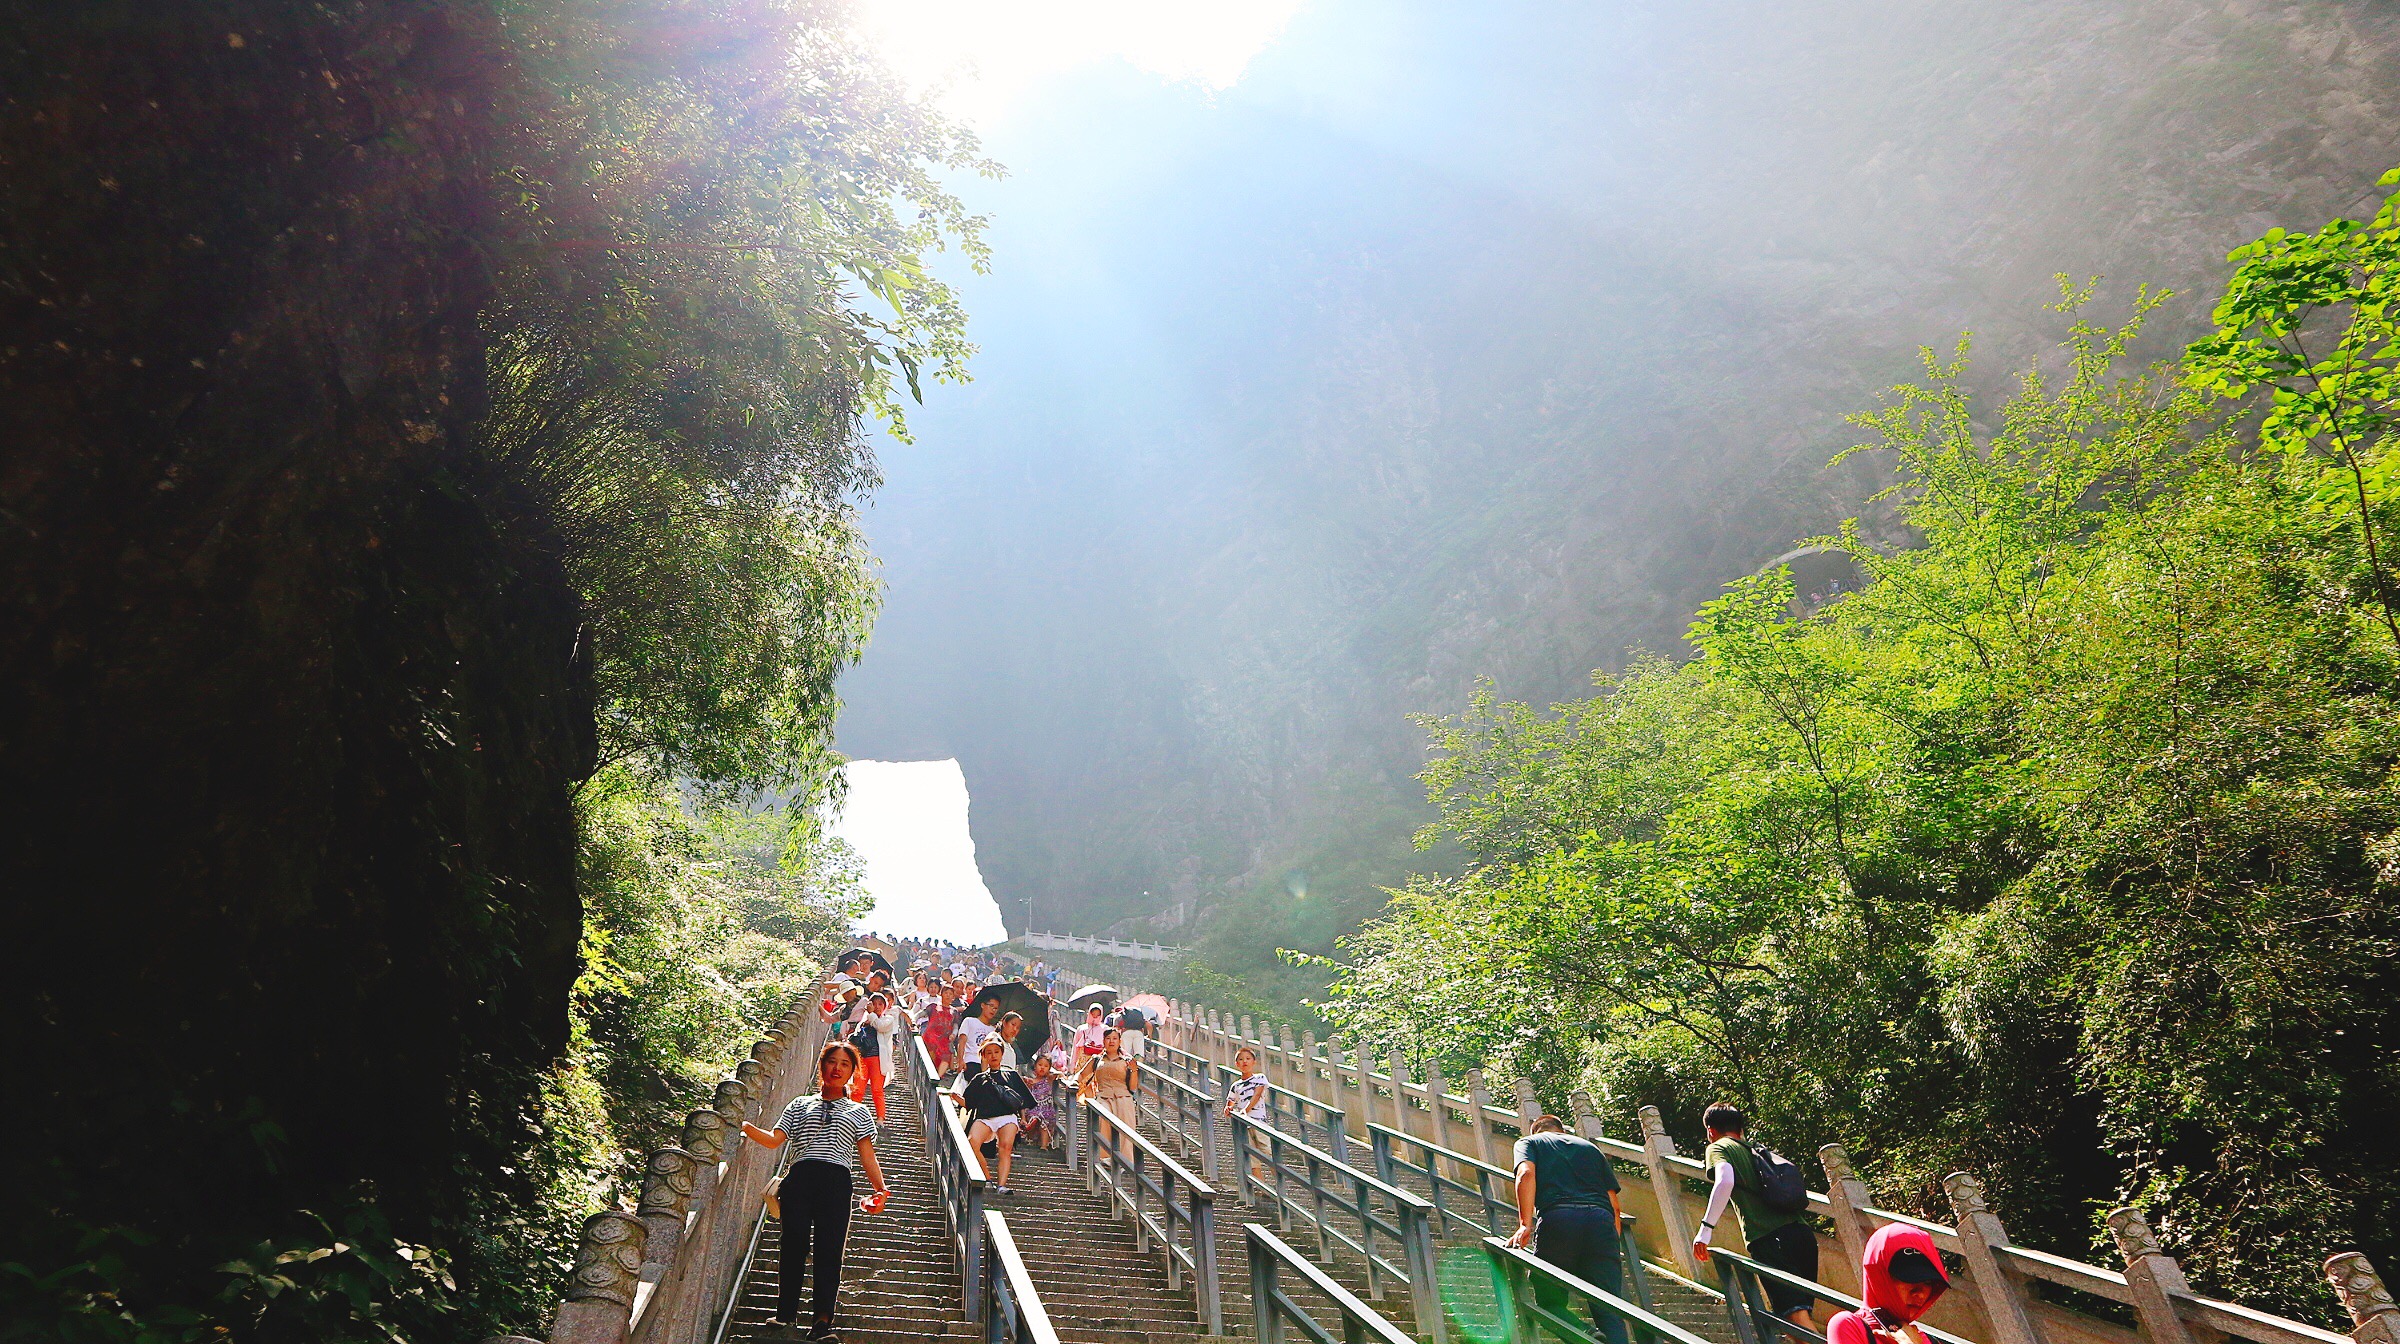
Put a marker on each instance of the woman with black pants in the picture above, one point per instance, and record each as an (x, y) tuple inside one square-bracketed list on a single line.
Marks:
[(814, 1196)]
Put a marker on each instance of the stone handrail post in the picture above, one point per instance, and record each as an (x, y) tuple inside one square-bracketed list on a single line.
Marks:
[(1675, 1221), (1586, 1120), (1849, 1197), (1311, 1085), (752, 1075), (1437, 1112), (2374, 1318), (711, 1253), (1980, 1237), (608, 1264), (1335, 1049), (675, 1308), (1529, 1103), (2153, 1276), (1403, 1113), (1479, 1097), (667, 1181)]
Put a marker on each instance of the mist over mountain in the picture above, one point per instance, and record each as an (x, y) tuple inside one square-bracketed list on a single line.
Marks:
[(1488, 341)]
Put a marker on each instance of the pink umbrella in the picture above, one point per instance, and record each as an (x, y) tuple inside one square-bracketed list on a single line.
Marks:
[(1153, 1006)]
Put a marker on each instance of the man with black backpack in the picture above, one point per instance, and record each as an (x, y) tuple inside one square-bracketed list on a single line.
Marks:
[(1772, 1196)]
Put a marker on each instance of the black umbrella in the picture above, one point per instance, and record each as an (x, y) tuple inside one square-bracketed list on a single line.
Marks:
[(1027, 1002), (858, 954), (1104, 995)]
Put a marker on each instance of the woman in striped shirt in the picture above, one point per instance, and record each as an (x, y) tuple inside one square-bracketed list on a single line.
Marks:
[(815, 1193)]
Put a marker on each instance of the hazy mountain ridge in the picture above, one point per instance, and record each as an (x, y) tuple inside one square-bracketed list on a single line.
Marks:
[(1495, 361)]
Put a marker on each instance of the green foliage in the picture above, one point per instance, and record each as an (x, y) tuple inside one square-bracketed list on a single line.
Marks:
[(443, 426), (2331, 411), (698, 934), (2060, 851), (715, 265)]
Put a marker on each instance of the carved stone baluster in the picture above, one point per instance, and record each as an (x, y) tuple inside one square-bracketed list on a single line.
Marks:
[(1310, 1083), (2374, 1319), (753, 1077), (666, 1196), (1403, 1113), (1437, 1112), (2153, 1276), (735, 1192), (1980, 1237), (599, 1298), (1479, 1098), (1529, 1104), (1850, 1198), (1675, 1220), (1337, 1051), (1586, 1120)]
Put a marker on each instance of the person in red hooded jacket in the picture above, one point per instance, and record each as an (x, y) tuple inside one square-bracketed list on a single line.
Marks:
[(1903, 1278)]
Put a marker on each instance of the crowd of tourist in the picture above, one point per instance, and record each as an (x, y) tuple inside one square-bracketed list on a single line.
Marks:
[(1566, 1192)]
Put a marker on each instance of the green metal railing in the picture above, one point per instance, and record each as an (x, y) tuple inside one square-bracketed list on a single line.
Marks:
[(1535, 1299), (1272, 1308), (1369, 1218)]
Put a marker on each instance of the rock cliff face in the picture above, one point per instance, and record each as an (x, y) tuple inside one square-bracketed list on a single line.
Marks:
[(288, 711), (1493, 343)]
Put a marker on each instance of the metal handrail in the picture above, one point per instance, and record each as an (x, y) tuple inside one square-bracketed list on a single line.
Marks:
[(1517, 1276), (1488, 1178), (1271, 1307), (1187, 1112), (1499, 1211), (1329, 1129), (1013, 1311), (1332, 1184), (1192, 1068), (958, 1176), (1135, 1172), (1739, 1276)]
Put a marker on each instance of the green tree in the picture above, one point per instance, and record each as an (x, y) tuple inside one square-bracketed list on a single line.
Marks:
[(2058, 852)]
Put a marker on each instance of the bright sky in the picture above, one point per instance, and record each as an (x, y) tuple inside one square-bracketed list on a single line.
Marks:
[(987, 52), (908, 822)]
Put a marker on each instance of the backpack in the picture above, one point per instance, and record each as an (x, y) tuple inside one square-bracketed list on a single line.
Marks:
[(1781, 1187)]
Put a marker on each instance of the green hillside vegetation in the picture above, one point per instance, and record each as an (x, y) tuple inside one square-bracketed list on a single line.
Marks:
[(2061, 851), (436, 438)]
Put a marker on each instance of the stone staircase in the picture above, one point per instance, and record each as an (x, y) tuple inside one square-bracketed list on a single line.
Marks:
[(899, 1277), (1097, 1289), (900, 1282)]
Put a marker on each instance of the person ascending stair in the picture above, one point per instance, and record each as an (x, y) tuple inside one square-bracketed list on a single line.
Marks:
[(813, 1198), (995, 1099)]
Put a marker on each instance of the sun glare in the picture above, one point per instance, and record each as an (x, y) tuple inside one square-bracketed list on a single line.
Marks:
[(981, 54)]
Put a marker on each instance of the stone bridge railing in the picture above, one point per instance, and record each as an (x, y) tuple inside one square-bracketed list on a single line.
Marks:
[(1104, 947), (667, 1272), (2002, 1299)]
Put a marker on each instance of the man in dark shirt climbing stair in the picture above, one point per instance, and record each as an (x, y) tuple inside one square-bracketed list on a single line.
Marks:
[(1567, 1210)]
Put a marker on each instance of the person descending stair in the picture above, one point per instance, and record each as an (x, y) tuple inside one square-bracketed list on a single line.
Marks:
[(812, 1200), (1111, 1079), (995, 1099)]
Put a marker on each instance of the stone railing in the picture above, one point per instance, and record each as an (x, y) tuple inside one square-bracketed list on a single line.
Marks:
[(1106, 947), (1999, 1301), (667, 1272)]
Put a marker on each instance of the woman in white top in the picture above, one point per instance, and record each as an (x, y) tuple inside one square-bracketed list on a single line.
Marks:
[(1093, 1032), (813, 1199), (1247, 1096), (878, 1031)]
